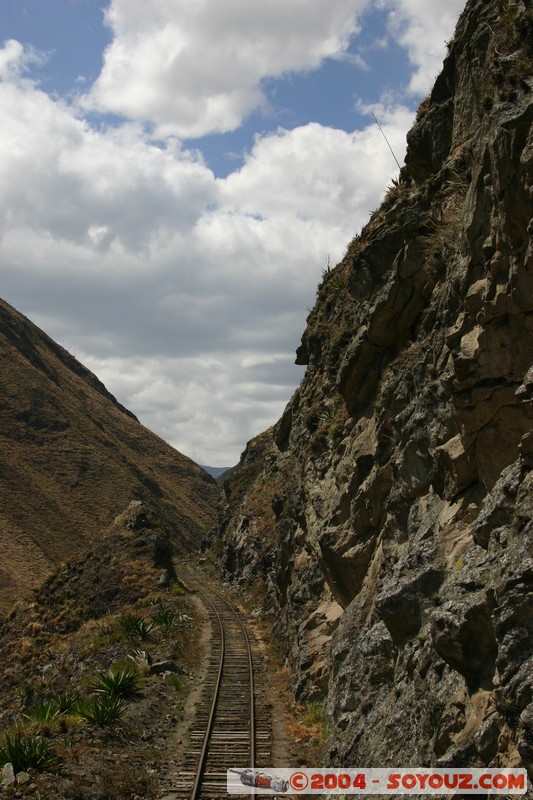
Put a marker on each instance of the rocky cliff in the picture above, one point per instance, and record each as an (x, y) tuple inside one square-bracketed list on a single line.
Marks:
[(71, 458), (386, 519)]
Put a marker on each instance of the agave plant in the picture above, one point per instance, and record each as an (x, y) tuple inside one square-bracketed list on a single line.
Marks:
[(135, 627), (67, 701), (142, 661), (158, 602), (102, 710), (166, 618), (43, 711), (25, 752), (118, 683)]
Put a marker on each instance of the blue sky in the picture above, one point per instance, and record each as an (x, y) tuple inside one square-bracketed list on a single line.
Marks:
[(71, 31), (174, 175), (72, 35)]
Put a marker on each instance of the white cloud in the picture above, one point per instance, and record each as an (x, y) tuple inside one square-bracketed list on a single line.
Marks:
[(108, 189), (15, 59), (318, 173), (185, 293), (423, 27), (192, 67), (207, 407)]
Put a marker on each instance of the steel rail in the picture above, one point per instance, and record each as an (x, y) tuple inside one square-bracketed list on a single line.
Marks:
[(200, 772), (205, 747), (251, 673)]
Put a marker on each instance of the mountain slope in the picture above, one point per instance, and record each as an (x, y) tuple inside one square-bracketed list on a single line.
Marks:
[(71, 457), (388, 514), (86, 620)]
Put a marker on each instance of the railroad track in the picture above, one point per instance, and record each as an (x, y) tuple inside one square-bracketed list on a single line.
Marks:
[(230, 730)]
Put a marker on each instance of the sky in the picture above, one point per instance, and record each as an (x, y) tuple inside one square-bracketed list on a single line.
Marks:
[(175, 175)]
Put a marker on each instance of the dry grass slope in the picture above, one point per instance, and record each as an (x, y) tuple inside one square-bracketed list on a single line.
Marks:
[(77, 674), (71, 457)]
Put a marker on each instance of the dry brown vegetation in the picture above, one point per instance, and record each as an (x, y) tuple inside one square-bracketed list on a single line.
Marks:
[(77, 628), (71, 458)]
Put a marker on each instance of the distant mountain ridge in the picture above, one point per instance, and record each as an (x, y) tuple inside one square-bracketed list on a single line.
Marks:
[(72, 457), (216, 472)]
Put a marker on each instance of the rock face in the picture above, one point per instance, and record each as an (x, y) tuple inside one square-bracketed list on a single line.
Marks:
[(71, 457), (388, 514)]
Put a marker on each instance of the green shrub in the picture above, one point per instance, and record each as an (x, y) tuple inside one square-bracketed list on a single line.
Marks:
[(67, 701), (134, 626), (314, 713), (176, 681), (25, 752), (166, 618), (102, 710), (157, 601), (43, 711), (53, 707), (120, 682)]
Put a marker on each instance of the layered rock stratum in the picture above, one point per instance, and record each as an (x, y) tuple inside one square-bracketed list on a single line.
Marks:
[(71, 458), (387, 516)]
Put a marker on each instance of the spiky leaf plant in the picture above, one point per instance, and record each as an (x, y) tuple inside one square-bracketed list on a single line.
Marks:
[(118, 682), (43, 711), (27, 752), (67, 701), (135, 627), (166, 618), (142, 660), (103, 710)]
